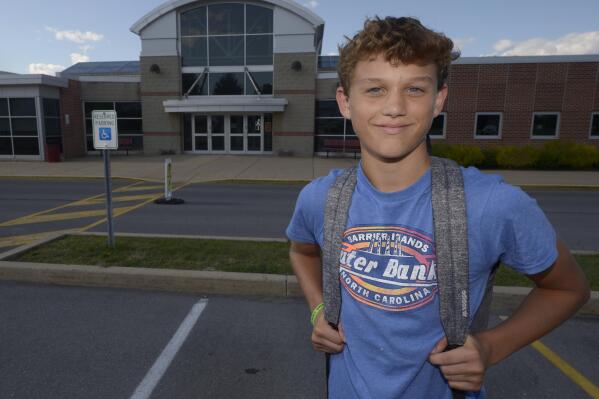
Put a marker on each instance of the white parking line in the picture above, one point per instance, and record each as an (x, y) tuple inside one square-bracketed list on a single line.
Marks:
[(145, 388)]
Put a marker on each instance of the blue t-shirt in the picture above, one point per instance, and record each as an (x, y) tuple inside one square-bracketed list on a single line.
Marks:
[(389, 300)]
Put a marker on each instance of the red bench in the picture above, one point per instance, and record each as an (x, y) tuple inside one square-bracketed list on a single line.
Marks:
[(341, 145), (126, 143)]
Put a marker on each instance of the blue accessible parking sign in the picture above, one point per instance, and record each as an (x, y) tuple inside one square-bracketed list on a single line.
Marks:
[(105, 133)]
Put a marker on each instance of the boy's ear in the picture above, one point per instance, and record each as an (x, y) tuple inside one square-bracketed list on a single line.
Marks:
[(343, 102), (440, 99)]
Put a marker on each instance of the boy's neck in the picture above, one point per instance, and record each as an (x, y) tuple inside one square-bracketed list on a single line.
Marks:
[(396, 175)]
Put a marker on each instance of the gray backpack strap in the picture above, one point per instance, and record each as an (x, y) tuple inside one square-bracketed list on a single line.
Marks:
[(451, 247), (335, 222)]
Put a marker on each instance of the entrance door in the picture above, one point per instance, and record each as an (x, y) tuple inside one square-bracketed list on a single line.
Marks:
[(228, 133)]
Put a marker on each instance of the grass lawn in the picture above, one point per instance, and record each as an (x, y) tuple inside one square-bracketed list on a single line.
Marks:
[(222, 255)]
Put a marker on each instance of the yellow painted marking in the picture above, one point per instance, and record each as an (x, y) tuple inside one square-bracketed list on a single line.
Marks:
[(137, 188), (75, 203), (14, 241), (134, 207), (568, 370), (565, 368), (63, 216), (124, 198)]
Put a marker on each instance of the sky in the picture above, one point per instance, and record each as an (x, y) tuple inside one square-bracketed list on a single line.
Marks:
[(40, 36)]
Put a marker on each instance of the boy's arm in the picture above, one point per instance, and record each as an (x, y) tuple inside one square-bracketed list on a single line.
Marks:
[(305, 261), (560, 291)]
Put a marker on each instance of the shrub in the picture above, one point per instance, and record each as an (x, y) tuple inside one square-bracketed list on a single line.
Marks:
[(465, 155), (490, 155), (517, 157)]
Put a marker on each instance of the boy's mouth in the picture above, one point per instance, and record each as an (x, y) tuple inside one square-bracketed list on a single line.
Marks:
[(393, 128)]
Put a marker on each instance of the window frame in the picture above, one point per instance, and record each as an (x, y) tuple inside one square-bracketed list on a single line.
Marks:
[(499, 135), (444, 135), (557, 126), (591, 137), (225, 68)]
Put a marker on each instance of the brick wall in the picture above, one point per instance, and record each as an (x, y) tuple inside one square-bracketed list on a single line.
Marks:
[(73, 134)]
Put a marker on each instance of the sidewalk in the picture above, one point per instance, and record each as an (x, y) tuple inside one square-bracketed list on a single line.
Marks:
[(199, 168)]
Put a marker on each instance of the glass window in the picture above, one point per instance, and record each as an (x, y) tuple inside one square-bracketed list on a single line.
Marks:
[(254, 124), (349, 128), (225, 19), (51, 107), (330, 126), (544, 125), (218, 143), (236, 143), (259, 50), (129, 125), (595, 126), (128, 110), (438, 126), (226, 83), (187, 134), (327, 108), (97, 106), (88, 126), (262, 79), (26, 146), (488, 125), (201, 143), (254, 143), (236, 123), (3, 107), (4, 127), (218, 123), (193, 22), (22, 107), (52, 126), (5, 146), (267, 132), (194, 51), (24, 126), (258, 19), (201, 124), (201, 88), (226, 50)]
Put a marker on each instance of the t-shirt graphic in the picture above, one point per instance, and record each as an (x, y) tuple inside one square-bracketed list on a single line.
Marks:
[(388, 267)]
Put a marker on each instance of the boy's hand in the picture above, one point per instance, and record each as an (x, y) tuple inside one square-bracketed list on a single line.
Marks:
[(464, 367), (325, 338)]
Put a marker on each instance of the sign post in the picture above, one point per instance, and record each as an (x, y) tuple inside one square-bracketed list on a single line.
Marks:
[(106, 139)]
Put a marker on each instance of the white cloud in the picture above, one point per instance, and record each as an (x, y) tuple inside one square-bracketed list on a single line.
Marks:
[(46, 69), (572, 43), (77, 57), (460, 43), (311, 4), (75, 36)]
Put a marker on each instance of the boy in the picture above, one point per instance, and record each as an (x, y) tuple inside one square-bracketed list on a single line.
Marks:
[(389, 342)]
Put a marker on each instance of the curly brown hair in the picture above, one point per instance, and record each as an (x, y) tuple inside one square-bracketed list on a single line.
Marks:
[(400, 40)]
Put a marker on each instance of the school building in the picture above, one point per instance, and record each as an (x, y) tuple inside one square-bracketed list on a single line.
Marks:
[(248, 78)]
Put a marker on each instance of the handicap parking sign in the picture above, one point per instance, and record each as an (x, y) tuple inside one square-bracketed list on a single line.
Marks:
[(105, 128), (105, 133)]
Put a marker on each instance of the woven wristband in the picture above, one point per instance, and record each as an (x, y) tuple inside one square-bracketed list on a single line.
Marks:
[(316, 312)]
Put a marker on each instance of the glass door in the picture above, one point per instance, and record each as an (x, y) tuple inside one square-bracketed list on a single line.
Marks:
[(255, 129), (236, 133), (200, 133), (217, 133)]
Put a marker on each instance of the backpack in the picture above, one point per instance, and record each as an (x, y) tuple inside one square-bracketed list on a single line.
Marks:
[(451, 249)]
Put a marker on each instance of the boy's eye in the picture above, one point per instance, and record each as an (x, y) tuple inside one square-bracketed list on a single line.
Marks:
[(374, 90), (415, 90)]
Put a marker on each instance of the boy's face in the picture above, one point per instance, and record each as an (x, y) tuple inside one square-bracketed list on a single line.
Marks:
[(392, 107)]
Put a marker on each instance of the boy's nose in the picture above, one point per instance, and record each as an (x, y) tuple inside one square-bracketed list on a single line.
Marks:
[(395, 104)]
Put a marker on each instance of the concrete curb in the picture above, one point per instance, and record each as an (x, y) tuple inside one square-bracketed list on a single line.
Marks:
[(204, 282)]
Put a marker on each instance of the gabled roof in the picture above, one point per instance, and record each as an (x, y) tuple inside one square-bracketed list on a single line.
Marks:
[(171, 5)]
